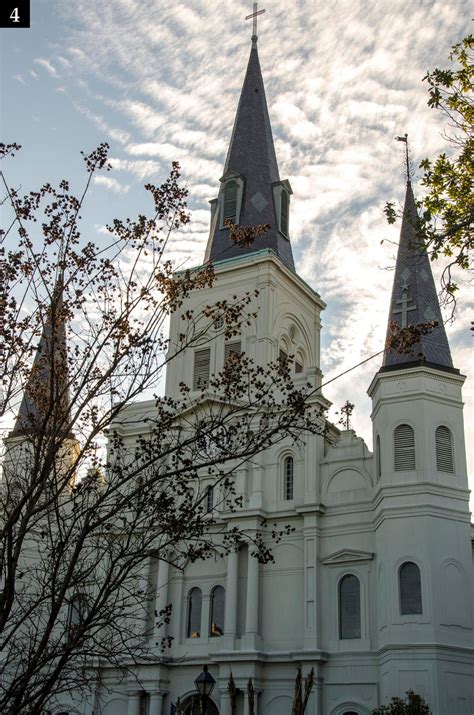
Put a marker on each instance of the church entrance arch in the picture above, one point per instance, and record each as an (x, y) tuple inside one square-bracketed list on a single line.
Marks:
[(192, 706)]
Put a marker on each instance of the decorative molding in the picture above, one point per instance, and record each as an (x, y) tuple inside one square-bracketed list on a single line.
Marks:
[(346, 556)]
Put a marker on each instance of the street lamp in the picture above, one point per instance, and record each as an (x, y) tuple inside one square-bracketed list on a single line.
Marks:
[(204, 685)]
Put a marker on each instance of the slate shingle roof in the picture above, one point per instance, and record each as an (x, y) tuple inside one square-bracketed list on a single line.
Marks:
[(414, 297), (251, 154)]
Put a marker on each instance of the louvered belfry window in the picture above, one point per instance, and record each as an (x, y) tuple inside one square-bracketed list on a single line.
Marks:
[(230, 201), (444, 450), (410, 589), (404, 448), (378, 457), (202, 361), (284, 213), (229, 348)]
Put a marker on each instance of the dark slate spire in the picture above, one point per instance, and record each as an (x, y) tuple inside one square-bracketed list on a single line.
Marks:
[(45, 402), (414, 297), (251, 157)]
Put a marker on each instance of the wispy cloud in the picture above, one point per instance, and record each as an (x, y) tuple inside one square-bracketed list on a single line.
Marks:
[(111, 184), (341, 79), (47, 66)]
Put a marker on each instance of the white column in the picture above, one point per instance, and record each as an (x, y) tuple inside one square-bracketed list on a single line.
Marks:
[(134, 703), (161, 597), (225, 703), (318, 684), (251, 626), (230, 616), (156, 703)]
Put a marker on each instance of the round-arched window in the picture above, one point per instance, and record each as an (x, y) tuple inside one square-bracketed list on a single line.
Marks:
[(288, 477), (216, 620), (349, 607), (193, 629), (410, 589)]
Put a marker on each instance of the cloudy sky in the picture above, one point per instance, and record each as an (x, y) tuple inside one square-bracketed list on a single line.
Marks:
[(161, 81)]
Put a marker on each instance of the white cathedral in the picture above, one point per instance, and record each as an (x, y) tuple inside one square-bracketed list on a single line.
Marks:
[(374, 586)]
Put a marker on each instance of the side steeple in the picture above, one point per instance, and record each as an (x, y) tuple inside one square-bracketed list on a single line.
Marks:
[(46, 403), (251, 192), (414, 297)]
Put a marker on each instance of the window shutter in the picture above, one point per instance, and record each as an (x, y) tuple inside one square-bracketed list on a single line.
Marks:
[(444, 450), (404, 447), (202, 361), (229, 348), (284, 213), (230, 201)]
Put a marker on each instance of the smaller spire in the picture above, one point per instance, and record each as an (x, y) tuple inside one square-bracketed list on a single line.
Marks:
[(46, 397), (414, 297)]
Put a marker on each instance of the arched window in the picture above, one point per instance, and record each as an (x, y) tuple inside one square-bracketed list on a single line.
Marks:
[(289, 469), (444, 450), (404, 448), (76, 614), (410, 589), (209, 499), (193, 629), (349, 607), (230, 201), (217, 612), (378, 458), (284, 213)]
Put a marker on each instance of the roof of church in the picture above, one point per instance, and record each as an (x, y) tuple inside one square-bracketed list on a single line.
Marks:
[(414, 297), (46, 395), (251, 155)]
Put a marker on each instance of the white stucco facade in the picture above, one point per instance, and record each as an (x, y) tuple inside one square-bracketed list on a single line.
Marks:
[(353, 514)]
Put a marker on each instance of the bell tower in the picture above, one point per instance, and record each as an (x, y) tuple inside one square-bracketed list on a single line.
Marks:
[(421, 496)]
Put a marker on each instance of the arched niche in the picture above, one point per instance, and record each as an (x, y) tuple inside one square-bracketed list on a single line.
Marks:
[(346, 480)]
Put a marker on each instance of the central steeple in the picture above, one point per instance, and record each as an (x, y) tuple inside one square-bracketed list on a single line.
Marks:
[(251, 192)]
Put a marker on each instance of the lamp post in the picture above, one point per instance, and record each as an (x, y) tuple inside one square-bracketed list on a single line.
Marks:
[(204, 685)]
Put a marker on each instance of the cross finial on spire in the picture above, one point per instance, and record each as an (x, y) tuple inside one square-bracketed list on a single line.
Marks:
[(404, 139), (254, 15)]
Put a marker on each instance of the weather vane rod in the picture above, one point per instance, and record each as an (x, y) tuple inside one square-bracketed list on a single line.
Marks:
[(404, 138), (254, 16)]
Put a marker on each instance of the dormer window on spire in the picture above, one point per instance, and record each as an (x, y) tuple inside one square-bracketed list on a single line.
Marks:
[(281, 197), (230, 201), (230, 198)]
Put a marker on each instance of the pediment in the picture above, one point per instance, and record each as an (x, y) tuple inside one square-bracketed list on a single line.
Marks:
[(346, 556), (230, 174)]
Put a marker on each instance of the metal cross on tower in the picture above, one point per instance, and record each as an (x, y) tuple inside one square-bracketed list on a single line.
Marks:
[(254, 15), (346, 411), (405, 306), (404, 139)]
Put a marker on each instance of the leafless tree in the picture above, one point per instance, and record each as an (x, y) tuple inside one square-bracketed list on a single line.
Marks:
[(83, 337)]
